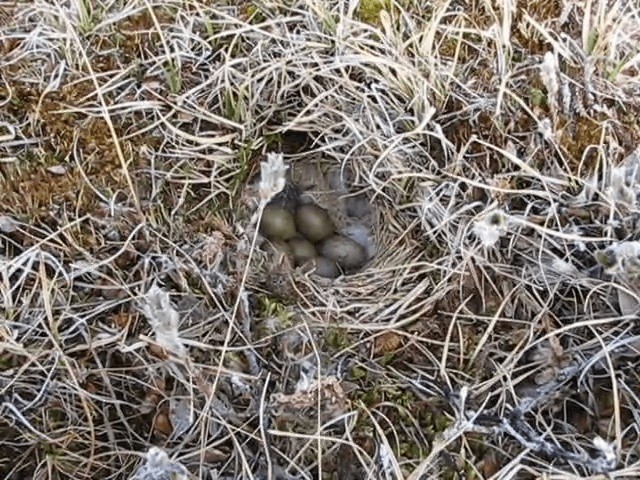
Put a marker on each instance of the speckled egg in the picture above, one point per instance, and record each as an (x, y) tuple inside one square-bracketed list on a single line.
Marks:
[(277, 223), (314, 222), (344, 251)]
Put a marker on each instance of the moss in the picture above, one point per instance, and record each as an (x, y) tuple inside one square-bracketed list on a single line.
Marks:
[(357, 373), (6, 362), (369, 10), (337, 339), (579, 137), (252, 13), (544, 12), (537, 98), (269, 307)]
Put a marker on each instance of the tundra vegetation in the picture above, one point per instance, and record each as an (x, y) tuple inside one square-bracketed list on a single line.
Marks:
[(148, 330)]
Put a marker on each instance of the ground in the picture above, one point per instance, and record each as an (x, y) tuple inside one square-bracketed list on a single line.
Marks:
[(148, 331)]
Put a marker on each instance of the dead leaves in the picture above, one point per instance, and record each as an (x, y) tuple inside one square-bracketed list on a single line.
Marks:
[(326, 393), (388, 342)]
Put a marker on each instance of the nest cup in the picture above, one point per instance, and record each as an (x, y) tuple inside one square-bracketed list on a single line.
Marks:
[(327, 230), (364, 205)]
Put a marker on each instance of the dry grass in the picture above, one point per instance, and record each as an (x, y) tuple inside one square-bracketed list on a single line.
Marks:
[(144, 329)]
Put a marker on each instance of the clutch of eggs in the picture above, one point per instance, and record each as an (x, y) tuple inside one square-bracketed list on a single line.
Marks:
[(311, 237)]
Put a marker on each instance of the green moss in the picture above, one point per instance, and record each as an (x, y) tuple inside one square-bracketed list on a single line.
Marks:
[(254, 13), (369, 397), (338, 339), (269, 307), (387, 358), (411, 450), (537, 97), (357, 373), (369, 10), (5, 362)]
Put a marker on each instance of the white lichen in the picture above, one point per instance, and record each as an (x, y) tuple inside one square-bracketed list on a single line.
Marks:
[(164, 320), (158, 466), (272, 177), (549, 77), (490, 228)]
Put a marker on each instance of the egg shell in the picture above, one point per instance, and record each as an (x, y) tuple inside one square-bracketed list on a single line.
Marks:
[(277, 223), (314, 222), (344, 251), (326, 268), (302, 250)]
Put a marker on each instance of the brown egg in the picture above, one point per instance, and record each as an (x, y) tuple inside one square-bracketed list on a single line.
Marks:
[(314, 222), (302, 250), (277, 223), (325, 267), (347, 253)]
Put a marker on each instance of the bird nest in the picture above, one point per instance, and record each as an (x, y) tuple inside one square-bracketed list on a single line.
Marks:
[(391, 288)]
